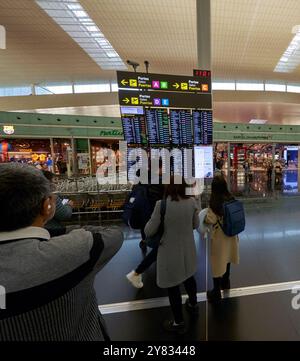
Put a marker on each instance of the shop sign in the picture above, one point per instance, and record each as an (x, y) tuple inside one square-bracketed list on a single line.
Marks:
[(252, 137), (41, 157), (111, 133), (8, 129)]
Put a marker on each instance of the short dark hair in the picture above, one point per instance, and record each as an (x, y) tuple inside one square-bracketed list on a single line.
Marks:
[(48, 175), (176, 191), (23, 189)]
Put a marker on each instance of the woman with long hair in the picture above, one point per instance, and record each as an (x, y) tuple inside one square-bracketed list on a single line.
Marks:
[(224, 249), (176, 255)]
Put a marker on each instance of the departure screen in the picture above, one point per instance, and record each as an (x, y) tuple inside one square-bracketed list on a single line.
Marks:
[(203, 127), (134, 129), (181, 127), (135, 162), (158, 126), (203, 162), (176, 162)]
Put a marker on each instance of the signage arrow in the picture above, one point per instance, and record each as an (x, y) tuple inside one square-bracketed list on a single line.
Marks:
[(124, 82), (176, 85), (126, 100)]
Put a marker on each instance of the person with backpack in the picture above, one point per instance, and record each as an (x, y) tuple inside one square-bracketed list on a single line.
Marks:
[(140, 205), (153, 194), (226, 215)]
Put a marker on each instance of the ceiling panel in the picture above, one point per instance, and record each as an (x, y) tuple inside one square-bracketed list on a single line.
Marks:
[(274, 113), (249, 37)]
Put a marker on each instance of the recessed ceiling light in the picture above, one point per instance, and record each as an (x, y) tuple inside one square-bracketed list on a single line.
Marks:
[(75, 21), (258, 121)]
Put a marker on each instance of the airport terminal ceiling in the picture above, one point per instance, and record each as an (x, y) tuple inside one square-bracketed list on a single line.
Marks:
[(248, 36)]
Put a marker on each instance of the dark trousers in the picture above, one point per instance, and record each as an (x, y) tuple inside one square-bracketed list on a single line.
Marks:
[(176, 301), (143, 234), (218, 280), (147, 261)]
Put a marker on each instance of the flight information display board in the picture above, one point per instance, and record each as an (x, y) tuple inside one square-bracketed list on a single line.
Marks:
[(203, 127), (134, 129), (135, 161), (181, 127), (158, 126), (176, 161), (203, 162)]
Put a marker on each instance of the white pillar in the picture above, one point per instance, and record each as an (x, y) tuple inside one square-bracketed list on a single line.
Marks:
[(203, 34)]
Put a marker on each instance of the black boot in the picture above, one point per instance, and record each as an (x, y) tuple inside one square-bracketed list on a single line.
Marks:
[(214, 295), (225, 281)]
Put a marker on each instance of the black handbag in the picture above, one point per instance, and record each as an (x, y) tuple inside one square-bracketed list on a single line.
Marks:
[(154, 241)]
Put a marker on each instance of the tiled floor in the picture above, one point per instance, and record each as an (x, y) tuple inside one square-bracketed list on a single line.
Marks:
[(269, 253), (266, 317)]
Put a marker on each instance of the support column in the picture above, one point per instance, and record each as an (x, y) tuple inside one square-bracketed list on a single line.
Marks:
[(33, 89), (74, 157), (90, 157), (203, 34), (228, 166), (52, 154), (273, 169)]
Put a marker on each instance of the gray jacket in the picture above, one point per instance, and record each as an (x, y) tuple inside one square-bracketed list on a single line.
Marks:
[(49, 283), (176, 259)]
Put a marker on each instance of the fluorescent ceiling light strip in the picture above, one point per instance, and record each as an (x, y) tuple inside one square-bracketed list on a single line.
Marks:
[(223, 86), (293, 89), (275, 87), (75, 21), (290, 59), (250, 86), (258, 121)]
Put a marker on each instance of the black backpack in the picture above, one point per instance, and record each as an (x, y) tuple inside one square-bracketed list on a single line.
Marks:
[(234, 218), (137, 209)]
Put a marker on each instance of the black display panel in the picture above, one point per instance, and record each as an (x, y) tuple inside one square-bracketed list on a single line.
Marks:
[(165, 82), (181, 127), (135, 160), (158, 126), (176, 161), (134, 129), (203, 127), (165, 99), (207, 127)]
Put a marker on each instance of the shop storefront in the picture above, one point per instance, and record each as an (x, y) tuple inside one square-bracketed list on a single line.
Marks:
[(259, 169), (99, 154), (30, 151)]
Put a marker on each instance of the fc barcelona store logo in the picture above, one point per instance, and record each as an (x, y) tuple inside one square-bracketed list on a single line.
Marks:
[(8, 129)]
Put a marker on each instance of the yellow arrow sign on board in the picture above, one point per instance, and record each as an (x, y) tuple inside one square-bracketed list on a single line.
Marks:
[(176, 85), (126, 100), (124, 82)]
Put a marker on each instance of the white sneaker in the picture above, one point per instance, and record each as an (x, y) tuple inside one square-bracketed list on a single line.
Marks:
[(135, 280)]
